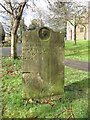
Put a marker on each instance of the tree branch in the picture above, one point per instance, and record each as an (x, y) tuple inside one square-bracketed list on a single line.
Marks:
[(5, 9), (18, 17), (11, 10), (69, 21), (20, 9)]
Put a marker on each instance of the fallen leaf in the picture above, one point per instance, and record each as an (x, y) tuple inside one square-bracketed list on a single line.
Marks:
[(30, 100), (52, 104), (9, 92), (35, 116), (45, 102)]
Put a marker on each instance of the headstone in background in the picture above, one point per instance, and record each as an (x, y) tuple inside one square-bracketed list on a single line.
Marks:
[(43, 63)]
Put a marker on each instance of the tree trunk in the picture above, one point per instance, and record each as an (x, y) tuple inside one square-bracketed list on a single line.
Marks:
[(15, 20), (14, 38), (15, 28), (85, 33), (75, 35), (13, 45)]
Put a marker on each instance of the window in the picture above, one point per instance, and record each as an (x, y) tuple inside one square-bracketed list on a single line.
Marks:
[(81, 29)]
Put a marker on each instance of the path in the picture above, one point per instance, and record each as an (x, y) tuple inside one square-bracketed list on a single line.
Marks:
[(77, 65), (6, 50), (68, 62)]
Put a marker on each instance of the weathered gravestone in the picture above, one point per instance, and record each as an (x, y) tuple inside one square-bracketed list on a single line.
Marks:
[(43, 63)]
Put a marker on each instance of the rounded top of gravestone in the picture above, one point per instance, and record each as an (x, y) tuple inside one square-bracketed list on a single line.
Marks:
[(44, 33)]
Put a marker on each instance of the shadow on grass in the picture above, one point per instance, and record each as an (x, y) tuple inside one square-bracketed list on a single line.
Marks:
[(77, 90), (76, 53), (18, 57), (76, 47)]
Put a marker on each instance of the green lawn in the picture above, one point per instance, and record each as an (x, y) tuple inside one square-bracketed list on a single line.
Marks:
[(78, 52), (75, 87), (75, 95)]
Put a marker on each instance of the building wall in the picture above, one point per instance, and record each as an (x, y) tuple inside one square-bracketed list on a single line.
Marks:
[(81, 32), (80, 35), (69, 29)]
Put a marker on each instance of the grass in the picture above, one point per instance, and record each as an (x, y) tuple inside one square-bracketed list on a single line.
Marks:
[(78, 52), (75, 95), (75, 86)]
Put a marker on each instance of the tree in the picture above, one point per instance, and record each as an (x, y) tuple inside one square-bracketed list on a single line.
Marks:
[(2, 33), (36, 23), (22, 27), (76, 14), (57, 16), (61, 12), (15, 10)]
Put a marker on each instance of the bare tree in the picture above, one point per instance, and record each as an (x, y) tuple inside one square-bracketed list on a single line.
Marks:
[(76, 14), (57, 15), (61, 12), (15, 10)]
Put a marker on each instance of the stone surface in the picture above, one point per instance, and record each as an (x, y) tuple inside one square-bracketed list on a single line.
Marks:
[(43, 63)]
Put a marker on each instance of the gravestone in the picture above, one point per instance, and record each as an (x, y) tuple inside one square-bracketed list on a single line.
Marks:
[(43, 63)]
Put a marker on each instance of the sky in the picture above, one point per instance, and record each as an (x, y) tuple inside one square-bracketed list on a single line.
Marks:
[(42, 5)]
